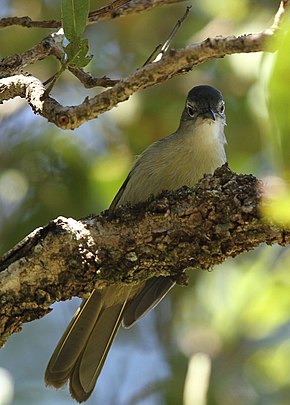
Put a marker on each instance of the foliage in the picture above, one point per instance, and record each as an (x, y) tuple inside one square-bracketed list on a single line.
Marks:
[(279, 106), (74, 14)]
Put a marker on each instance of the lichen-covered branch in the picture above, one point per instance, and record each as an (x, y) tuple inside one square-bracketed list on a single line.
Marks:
[(196, 228)]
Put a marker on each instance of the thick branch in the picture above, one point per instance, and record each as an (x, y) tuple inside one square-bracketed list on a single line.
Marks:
[(177, 62), (187, 229)]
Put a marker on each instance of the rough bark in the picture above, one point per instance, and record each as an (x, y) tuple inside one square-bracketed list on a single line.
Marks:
[(191, 228)]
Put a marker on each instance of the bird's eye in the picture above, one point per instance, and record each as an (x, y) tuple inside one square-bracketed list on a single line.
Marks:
[(222, 108), (190, 110)]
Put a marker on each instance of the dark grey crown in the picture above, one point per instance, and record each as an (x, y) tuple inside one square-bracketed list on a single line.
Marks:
[(205, 95)]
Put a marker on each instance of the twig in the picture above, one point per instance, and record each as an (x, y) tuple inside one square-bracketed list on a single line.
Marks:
[(135, 6), (148, 60), (112, 6), (27, 22), (49, 80), (281, 10), (53, 79), (165, 46), (89, 81), (13, 64), (172, 35)]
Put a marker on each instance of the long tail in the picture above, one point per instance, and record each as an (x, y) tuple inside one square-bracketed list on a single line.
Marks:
[(83, 348)]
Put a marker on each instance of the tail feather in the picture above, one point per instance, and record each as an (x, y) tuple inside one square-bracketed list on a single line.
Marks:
[(90, 362), (81, 352), (83, 348), (150, 295), (72, 341)]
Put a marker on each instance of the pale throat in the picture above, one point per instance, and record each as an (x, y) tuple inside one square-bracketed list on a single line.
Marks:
[(207, 143)]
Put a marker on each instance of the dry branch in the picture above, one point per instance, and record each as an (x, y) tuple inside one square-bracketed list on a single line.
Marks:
[(105, 13), (177, 62), (196, 228)]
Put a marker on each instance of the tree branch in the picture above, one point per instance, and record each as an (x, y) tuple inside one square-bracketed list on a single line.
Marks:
[(196, 228), (105, 13), (13, 64), (177, 62)]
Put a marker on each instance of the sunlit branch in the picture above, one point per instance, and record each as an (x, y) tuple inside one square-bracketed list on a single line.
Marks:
[(197, 228)]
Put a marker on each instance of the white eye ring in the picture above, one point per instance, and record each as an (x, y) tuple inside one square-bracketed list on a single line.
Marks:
[(190, 110), (222, 108)]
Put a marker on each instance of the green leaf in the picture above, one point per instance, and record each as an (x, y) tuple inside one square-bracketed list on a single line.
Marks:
[(82, 59), (279, 100), (77, 53), (74, 14)]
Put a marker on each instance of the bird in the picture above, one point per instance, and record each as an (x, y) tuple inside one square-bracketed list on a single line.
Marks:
[(195, 149)]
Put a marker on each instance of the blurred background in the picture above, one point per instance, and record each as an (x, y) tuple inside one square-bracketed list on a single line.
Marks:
[(223, 340)]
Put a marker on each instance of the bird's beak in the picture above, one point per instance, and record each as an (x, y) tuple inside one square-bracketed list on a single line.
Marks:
[(212, 114), (209, 114)]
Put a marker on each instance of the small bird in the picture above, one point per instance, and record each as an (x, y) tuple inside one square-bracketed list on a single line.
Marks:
[(182, 158)]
